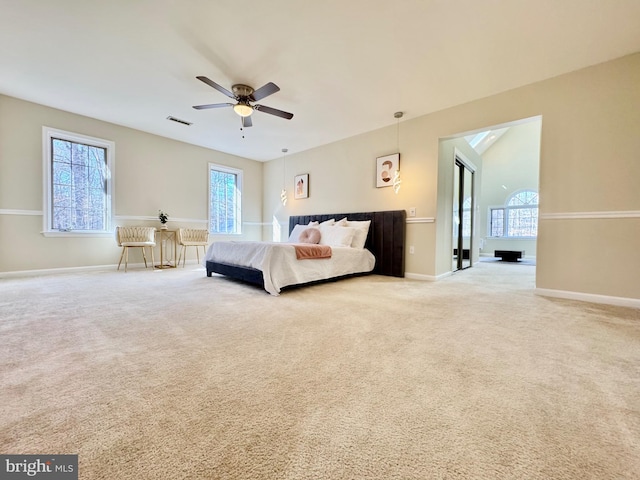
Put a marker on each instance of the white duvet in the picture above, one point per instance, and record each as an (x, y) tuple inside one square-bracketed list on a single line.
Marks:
[(279, 265)]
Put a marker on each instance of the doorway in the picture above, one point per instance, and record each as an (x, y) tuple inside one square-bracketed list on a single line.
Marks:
[(463, 214)]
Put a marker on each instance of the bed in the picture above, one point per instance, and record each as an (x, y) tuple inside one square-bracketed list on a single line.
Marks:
[(273, 265)]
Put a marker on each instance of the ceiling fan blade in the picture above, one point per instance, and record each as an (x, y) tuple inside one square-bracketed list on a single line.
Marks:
[(246, 122), (213, 105), (273, 111), (213, 84), (264, 91)]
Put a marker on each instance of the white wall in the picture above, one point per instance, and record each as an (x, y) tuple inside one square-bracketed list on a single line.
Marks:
[(590, 202), (151, 173)]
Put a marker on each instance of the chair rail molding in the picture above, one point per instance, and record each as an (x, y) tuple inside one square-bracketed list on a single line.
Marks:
[(590, 215), (421, 220), (147, 218), (12, 211)]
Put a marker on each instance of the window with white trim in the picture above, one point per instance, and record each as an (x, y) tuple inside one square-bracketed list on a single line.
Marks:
[(225, 199), (518, 218), (77, 183)]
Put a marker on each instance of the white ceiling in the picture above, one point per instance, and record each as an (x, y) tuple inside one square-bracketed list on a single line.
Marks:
[(343, 66)]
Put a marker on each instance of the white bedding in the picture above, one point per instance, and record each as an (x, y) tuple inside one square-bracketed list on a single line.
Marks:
[(279, 265)]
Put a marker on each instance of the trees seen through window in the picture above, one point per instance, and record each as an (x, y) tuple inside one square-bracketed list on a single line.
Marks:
[(518, 218)]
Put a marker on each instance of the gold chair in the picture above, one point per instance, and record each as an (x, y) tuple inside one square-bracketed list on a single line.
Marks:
[(191, 237), (138, 237)]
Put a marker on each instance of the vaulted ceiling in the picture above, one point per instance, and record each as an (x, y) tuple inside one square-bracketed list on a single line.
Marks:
[(343, 66)]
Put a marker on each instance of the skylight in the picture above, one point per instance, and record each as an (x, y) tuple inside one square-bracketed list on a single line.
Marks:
[(474, 140), (481, 141)]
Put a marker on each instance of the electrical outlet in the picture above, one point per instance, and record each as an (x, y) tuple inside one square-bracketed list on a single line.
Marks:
[(412, 212), (412, 250)]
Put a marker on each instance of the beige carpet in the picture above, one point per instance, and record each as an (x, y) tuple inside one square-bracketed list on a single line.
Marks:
[(172, 375)]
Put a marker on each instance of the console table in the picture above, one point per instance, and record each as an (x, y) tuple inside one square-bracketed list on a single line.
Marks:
[(162, 237)]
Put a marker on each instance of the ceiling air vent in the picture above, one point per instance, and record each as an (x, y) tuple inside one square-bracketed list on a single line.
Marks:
[(174, 119)]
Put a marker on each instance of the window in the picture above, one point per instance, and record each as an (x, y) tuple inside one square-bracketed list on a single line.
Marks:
[(225, 194), (497, 222), (518, 218), (78, 183)]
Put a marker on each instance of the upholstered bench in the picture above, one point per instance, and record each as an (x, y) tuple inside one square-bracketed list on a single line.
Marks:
[(509, 255)]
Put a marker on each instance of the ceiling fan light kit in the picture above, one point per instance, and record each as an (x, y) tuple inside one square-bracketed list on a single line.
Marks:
[(243, 109), (244, 95)]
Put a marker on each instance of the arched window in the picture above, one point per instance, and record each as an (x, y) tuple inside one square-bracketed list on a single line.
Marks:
[(518, 218)]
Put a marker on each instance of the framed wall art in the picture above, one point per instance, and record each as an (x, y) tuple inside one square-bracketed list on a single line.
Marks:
[(386, 168), (301, 184)]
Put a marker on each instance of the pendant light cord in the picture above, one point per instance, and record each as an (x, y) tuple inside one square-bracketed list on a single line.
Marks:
[(284, 167)]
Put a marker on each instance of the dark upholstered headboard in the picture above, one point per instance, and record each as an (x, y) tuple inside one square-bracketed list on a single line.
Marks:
[(385, 239)]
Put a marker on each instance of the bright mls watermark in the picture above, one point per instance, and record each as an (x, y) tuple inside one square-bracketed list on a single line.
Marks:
[(46, 467)]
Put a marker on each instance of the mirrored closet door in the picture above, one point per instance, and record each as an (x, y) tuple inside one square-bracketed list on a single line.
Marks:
[(463, 215)]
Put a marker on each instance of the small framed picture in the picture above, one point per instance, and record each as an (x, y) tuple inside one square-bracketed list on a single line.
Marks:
[(301, 185), (386, 168)]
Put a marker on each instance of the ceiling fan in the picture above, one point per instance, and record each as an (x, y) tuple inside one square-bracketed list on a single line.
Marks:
[(245, 96)]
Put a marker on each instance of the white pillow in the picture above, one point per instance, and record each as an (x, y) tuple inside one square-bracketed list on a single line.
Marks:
[(337, 236), (331, 221), (341, 223), (361, 232)]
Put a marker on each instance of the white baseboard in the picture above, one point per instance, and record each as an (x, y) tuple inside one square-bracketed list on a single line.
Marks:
[(426, 278), (584, 297), (91, 268), (58, 271), (589, 297), (55, 271)]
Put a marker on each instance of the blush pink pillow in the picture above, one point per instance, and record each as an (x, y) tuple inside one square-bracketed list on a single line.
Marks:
[(309, 235)]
